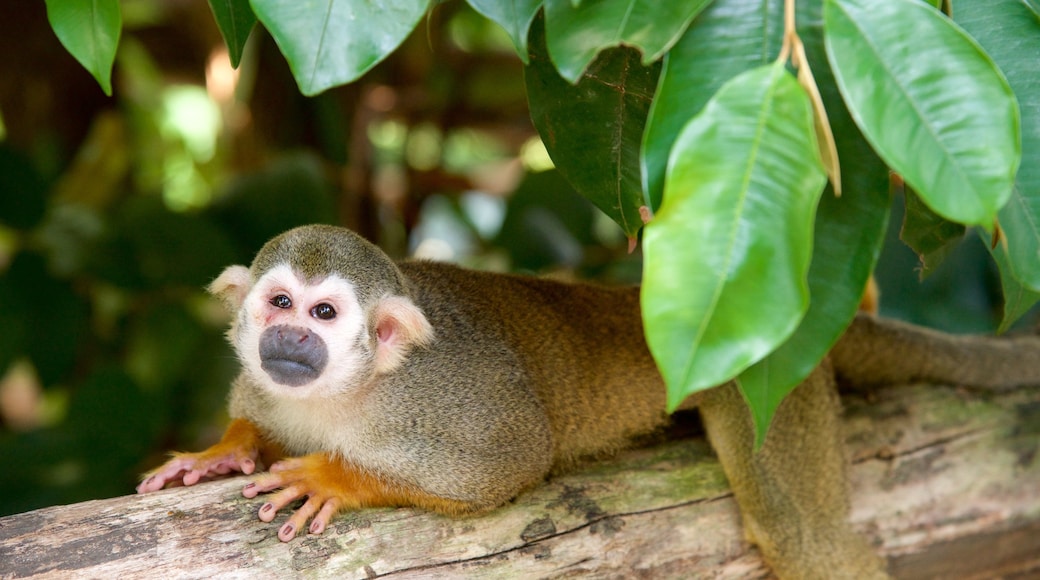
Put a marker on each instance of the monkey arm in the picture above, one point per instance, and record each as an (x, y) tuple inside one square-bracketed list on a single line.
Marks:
[(332, 485), (877, 351), (238, 451)]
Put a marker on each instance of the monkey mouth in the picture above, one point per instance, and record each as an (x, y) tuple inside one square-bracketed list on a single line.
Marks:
[(292, 355), (293, 373)]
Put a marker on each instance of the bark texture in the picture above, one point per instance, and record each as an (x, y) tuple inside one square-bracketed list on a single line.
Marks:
[(946, 483)]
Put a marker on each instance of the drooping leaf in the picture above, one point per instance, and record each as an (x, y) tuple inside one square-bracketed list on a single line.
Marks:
[(927, 233), (727, 255), (515, 16), (849, 233), (334, 42), (576, 34), (89, 30), (1020, 224), (1018, 299), (929, 100), (728, 38), (236, 20), (593, 130), (1009, 30)]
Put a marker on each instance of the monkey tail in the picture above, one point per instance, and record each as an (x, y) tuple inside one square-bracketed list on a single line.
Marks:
[(876, 351)]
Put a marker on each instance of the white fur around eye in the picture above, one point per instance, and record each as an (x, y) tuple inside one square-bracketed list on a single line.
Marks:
[(350, 360)]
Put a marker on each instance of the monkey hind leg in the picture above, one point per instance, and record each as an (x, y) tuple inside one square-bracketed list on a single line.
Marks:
[(332, 485), (793, 493)]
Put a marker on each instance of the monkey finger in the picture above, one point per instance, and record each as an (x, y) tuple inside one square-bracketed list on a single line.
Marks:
[(192, 477), (298, 519), (321, 520), (278, 501), (269, 481), (170, 472)]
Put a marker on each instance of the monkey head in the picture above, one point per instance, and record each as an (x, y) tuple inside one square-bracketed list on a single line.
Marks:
[(321, 312)]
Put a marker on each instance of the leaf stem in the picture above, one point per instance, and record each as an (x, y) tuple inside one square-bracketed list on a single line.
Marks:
[(792, 49)]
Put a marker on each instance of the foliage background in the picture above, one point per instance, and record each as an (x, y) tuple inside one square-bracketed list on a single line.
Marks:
[(117, 211)]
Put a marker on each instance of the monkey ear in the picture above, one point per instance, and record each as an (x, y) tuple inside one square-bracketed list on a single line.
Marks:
[(400, 325), (231, 286)]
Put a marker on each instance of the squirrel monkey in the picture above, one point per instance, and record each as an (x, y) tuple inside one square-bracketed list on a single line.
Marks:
[(367, 382)]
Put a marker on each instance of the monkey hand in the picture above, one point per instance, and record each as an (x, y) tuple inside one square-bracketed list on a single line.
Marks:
[(237, 451), (332, 485)]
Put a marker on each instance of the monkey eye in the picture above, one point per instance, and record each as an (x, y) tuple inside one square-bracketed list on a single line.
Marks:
[(324, 311), (281, 301)]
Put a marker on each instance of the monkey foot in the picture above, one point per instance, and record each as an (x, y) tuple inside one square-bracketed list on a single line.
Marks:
[(191, 468), (330, 486)]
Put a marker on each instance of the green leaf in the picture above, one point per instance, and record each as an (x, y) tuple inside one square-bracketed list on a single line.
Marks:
[(728, 38), (1020, 222), (929, 100), (593, 130), (927, 233), (89, 30), (727, 255), (334, 42), (1018, 299), (576, 34), (236, 20), (1009, 30), (515, 16), (849, 233)]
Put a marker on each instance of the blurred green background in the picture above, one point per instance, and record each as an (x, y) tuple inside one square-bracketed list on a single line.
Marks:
[(116, 212)]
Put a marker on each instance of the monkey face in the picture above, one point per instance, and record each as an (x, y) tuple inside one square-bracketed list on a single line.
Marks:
[(303, 338)]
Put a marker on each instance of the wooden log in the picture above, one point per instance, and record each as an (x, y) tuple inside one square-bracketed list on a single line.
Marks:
[(946, 483)]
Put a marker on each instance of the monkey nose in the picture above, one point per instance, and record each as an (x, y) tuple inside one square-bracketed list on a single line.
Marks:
[(292, 355)]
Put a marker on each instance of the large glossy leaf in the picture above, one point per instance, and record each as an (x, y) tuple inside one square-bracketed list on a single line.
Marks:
[(1009, 30), (333, 42), (515, 16), (576, 34), (727, 255), (928, 98), (89, 30), (593, 130), (728, 38), (848, 237), (236, 20)]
